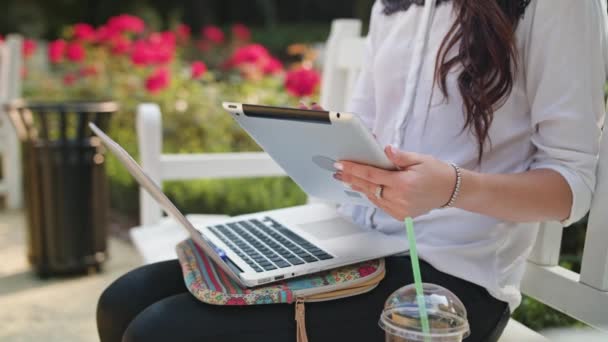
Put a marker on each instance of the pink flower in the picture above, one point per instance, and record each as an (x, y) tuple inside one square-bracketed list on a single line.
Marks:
[(254, 60), (182, 31), (69, 79), (105, 34), (159, 48), (252, 53), (75, 52), (120, 45), (89, 70), (302, 82), (198, 69), (126, 23), (141, 54), (29, 47), (56, 50), (168, 39), (241, 32), (213, 34), (272, 66), (84, 32), (158, 81)]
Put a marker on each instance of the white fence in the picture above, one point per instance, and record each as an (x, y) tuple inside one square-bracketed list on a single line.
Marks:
[(10, 152)]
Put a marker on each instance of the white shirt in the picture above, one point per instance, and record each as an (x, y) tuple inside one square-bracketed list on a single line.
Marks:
[(551, 120)]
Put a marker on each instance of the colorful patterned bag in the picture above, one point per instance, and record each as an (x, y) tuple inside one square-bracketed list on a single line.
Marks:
[(211, 285)]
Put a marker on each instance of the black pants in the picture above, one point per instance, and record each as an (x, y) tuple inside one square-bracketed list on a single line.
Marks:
[(152, 303)]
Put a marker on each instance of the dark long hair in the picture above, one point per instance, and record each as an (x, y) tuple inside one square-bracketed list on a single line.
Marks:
[(484, 33)]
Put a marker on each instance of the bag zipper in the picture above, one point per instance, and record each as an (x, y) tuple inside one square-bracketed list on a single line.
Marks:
[(342, 286)]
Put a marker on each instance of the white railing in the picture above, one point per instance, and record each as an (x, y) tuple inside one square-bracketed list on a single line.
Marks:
[(10, 152), (584, 296)]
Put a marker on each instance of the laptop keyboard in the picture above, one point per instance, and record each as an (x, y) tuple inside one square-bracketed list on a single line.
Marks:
[(266, 245)]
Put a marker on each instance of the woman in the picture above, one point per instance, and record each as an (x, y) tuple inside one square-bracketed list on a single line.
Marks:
[(501, 130)]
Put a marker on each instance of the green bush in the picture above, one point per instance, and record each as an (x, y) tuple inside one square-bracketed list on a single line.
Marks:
[(537, 316)]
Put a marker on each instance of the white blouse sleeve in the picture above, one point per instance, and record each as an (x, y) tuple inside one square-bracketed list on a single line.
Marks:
[(564, 61), (362, 101)]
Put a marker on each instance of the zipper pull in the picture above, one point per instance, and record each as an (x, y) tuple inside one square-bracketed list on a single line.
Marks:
[(301, 320)]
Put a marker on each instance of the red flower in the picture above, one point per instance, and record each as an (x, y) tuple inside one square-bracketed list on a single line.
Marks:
[(254, 60), (236, 301), (1, 39), (75, 52), (69, 79), (56, 50), (29, 47), (89, 70), (84, 32), (126, 23), (241, 32), (302, 82), (120, 45), (213, 34), (272, 66), (182, 31), (168, 39), (252, 53), (159, 48), (158, 81), (198, 69), (141, 54), (105, 34)]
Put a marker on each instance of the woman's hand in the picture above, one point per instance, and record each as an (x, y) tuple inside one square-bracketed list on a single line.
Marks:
[(423, 183)]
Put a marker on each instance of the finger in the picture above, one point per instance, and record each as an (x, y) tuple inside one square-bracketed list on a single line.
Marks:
[(368, 173), (360, 183), (302, 105), (401, 158), (316, 106), (386, 205)]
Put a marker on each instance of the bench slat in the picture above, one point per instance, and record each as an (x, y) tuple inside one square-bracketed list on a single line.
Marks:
[(560, 288), (594, 269), (218, 166)]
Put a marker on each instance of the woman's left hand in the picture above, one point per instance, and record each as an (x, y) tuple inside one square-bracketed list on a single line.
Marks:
[(422, 184)]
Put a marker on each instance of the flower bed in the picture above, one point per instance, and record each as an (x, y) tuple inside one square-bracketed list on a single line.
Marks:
[(188, 76)]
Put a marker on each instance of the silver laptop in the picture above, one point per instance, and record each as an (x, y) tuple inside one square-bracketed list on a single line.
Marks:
[(270, 246)]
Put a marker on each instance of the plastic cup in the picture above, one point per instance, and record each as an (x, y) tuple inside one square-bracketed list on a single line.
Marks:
[(447, 316)]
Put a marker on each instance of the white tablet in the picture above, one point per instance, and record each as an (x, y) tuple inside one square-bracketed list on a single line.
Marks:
[(306, 143)]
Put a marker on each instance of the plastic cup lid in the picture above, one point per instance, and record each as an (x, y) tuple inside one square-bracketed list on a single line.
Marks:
[(447, 315)]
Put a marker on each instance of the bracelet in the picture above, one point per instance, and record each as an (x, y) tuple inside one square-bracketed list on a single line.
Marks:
[(456, 187)]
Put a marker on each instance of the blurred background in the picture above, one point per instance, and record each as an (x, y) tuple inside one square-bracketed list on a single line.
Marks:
[(187, 56)]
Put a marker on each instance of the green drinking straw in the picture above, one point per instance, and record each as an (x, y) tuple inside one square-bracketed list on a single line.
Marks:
[(424, 318)]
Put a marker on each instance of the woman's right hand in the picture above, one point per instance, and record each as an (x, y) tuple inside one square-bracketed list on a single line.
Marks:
[(313, 106)]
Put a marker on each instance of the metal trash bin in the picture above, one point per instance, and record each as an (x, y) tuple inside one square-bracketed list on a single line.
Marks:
[(66, 194)]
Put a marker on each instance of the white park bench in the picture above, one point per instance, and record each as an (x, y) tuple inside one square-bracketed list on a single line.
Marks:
[(582, 296), (10, 89)]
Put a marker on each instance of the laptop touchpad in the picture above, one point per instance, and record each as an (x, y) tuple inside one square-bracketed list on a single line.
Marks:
[(330, 229)]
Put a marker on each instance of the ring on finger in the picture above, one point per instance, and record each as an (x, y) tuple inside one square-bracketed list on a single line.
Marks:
[(379, 191)]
